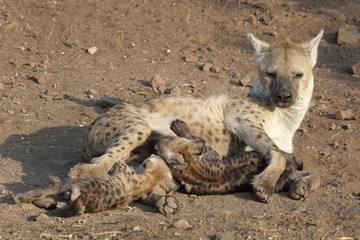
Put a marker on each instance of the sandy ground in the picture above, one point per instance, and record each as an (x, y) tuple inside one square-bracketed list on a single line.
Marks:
[(46, 75)]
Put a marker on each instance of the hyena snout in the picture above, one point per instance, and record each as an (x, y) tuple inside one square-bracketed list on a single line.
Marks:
[(283, 96)]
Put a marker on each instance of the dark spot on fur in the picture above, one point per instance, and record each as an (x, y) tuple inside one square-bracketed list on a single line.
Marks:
[(109, 155), (125, 138), (116, 144), (217, 140), (114, 129), (118, 150), (140, 133), (238, 119), (224, 131), (130, 143), (139, 138), (122, 148), (107, 134), (107, 125), (110, 152), (252, 112), (259, 136), (98, 134)]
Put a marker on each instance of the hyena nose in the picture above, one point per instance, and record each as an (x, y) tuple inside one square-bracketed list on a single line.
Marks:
[(283, 95)]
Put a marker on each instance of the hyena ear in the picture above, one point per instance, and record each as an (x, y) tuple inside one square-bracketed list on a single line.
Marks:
[(260, 46), (312, 48), (199, 146)]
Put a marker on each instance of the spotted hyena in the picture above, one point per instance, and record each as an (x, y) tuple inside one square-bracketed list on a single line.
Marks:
[(117, 189), (266, 120), (203, 171)]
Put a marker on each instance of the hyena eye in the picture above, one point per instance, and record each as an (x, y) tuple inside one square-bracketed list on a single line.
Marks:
[(299, 75), (270, 74)]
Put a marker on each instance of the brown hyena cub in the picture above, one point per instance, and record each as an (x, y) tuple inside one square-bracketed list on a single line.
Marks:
[(203, 171), (112, 191)]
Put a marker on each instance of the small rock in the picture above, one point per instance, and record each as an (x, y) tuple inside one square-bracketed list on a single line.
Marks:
[(92, 50), (332, 127), (335, 144), (136, 228), (190, 58), (42, 217), (43, 79), (244, 81), (348, 34), (215, 69), (158, 84), (251, 19), (1, 86), (345, 114), (210, 48), (175, 91), (92, 92), (206, 67), (218, 76), (181, 224), (355, 69), (223, 236), (273, 33)]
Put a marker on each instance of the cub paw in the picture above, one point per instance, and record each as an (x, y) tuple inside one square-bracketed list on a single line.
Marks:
[(300, 189), (263, 190), (167, 205), (86, 170)]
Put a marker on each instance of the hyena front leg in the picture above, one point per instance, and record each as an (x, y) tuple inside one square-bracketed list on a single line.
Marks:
[(253, 135), (112, 138)]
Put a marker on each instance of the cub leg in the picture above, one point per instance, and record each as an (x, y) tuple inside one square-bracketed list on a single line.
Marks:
[(112, 138)]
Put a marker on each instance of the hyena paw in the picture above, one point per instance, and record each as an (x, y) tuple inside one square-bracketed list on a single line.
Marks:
[(300, 188), (86, 170), (263, 190), (179, 127), (167, 205)]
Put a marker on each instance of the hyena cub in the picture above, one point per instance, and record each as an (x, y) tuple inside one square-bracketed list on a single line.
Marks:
[(203, 171), (115, 190)]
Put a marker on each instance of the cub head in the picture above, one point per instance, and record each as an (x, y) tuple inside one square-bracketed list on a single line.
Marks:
[(178, 151), (285, 71)]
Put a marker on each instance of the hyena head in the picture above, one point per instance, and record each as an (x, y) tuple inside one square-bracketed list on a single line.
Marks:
[(285, 71), (177, 151)]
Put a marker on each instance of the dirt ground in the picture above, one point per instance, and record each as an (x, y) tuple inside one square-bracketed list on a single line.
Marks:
[(51, 86)]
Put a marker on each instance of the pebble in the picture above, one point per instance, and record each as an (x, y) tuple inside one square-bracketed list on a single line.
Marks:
[(181, 224), (348, 34), (92, 92), (43, 79), (42, 217), (1, 86), (215, 69), (190, 58), (355, 69), (206, 67), (244, 81), (332, 127), (92, 50), (158, 83), (223, 236), (335, 144), (344, 114), (136, 228), (11, 112)]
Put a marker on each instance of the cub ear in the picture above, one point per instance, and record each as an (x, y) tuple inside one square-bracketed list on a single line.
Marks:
[(312, 48), (260, 46), (199, 146)]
